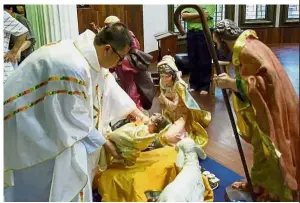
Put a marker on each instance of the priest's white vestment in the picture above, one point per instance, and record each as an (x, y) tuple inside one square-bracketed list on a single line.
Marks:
[(57, 108)]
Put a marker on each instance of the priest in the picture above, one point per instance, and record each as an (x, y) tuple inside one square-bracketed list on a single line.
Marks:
[(57, 109)]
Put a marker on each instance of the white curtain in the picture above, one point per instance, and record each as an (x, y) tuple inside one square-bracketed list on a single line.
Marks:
[(53, 22)]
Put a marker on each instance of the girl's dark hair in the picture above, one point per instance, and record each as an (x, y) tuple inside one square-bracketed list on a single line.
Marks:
[(14, 8)]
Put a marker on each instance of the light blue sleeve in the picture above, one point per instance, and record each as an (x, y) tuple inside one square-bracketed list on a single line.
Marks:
[(93, 141)]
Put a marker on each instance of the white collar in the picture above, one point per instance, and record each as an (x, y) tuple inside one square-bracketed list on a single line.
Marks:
[(85, 44)]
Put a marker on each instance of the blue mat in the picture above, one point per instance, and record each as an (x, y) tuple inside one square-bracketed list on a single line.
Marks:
[(226, 176)]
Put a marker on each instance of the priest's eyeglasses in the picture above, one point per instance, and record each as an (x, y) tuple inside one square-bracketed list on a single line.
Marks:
[(121, 58)]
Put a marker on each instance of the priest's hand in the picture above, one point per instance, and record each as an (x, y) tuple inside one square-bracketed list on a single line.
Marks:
[(111, 148), (223, 81)]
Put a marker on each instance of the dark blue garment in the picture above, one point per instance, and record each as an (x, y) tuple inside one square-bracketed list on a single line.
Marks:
[(199, 60)]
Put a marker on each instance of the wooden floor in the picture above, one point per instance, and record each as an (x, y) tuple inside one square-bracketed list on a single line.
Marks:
[(222, 145)]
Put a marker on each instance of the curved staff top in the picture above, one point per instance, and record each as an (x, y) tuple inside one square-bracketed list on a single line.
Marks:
[(213, 54)]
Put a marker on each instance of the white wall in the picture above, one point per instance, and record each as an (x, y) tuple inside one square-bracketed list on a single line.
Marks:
[(155, 20)]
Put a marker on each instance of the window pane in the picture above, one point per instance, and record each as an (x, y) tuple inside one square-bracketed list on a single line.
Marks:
[(255, 12), (220, 13), (293, 11)]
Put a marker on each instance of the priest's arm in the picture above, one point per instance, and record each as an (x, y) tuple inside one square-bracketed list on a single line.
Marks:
[(117, 104)]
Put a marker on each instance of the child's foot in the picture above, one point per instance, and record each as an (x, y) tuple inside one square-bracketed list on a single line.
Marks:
[(191, 89), (203, 92)]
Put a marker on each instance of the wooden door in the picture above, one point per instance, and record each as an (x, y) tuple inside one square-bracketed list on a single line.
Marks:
[(131, 15)]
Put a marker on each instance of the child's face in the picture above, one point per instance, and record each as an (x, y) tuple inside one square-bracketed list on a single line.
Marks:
[(166, 79), (151, 124)]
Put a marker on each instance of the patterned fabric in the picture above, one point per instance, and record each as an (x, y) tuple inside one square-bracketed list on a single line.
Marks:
[(43, 84), (42, 99), (81, 196), (97, 115), (60, 128), (30, 36), (11, 27)]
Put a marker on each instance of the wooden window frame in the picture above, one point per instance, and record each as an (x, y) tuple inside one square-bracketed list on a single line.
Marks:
[(171, 24), (284, 20), (268, 22)]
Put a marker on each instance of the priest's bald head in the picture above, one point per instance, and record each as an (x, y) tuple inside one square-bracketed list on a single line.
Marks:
[(112, 43)]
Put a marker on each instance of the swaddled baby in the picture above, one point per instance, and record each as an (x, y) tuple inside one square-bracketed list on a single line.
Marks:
[(132, 138)]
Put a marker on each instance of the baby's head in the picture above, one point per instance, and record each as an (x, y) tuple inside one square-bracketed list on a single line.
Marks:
[(157, 123)]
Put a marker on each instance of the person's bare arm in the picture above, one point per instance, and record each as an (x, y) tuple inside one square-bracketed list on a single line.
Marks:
[(189, 16), (192, 17), (24, 46), (11, 55), (14, 27)]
